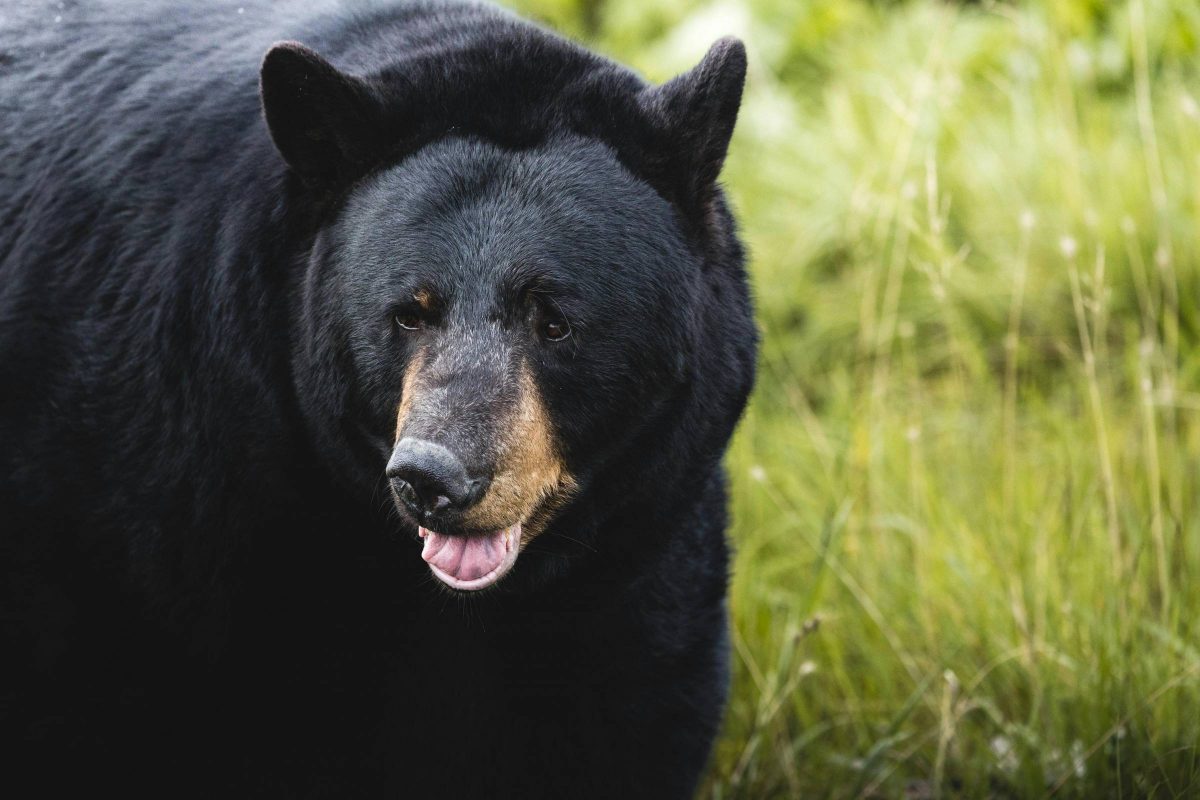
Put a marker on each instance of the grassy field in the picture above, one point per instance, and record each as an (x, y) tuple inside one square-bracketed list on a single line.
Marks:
[(967, 491)]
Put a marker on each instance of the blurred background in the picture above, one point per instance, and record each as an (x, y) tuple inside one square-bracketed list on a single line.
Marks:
[(966, 494)]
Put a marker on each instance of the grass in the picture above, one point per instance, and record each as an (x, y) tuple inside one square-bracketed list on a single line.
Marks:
[(967, 490)]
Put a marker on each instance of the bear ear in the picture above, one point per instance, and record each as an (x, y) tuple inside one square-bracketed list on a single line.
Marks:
[(325, 123), (692, 117)]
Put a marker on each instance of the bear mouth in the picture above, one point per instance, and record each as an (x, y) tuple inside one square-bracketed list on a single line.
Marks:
[(471, 563)]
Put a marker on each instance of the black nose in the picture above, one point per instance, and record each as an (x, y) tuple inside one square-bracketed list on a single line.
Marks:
[(429, 479)]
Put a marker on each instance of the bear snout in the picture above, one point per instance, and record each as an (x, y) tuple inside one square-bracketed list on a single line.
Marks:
[(431, 481)]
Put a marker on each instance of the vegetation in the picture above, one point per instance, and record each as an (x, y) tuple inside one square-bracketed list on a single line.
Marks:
[(967, 491)]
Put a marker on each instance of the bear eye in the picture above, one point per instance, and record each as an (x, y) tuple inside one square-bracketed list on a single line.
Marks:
[(408, 320), (556, 329)]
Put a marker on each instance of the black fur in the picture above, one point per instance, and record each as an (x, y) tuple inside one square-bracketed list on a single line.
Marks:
[(207, 590)]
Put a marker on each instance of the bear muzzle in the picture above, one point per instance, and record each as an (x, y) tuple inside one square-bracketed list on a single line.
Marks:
[(476, 464), (432, 484)]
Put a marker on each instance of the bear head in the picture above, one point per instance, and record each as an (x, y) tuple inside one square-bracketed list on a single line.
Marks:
[(509, 264)]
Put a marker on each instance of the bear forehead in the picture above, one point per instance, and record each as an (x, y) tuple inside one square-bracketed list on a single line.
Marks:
[(567, 174), (568, 205)]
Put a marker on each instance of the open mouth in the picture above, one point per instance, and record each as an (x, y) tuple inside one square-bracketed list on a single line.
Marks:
[(471, 563)]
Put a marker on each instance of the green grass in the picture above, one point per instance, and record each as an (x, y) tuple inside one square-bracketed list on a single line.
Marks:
[(967, 490)]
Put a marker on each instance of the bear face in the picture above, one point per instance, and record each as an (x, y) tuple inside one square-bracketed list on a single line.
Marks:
[(506, 315), (501, 288)]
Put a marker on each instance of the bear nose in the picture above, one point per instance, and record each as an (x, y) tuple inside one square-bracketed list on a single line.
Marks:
[(430, 479)]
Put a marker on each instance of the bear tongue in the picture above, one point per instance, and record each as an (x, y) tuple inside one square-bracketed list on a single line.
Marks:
[(471, 562)]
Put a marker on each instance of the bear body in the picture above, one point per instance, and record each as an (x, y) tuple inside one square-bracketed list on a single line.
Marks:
[(240, 300)]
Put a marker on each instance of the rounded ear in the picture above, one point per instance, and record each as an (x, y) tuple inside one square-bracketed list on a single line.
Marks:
[(326, 124), (693, 116)]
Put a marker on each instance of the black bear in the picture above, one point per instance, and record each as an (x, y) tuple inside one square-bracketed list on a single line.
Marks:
[(362, 404)]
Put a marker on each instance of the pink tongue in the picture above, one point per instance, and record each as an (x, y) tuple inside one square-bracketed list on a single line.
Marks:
[(463, 558)]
